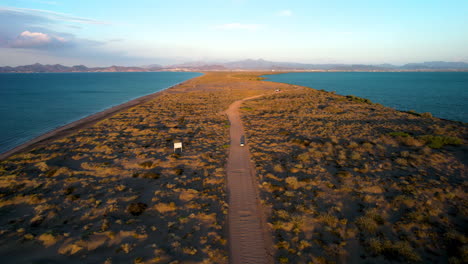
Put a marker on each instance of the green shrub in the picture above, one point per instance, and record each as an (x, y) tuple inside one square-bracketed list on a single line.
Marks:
[(366, 224), (440, 141), (412, 112), (398, 134), (393, 250), (426, 115), (358, 99)]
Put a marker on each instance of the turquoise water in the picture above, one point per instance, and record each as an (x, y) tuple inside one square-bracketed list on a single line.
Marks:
[(444, 94), (32, 104)]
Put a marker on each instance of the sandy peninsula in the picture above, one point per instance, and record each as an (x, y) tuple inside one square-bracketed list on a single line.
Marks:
[(339, 179)]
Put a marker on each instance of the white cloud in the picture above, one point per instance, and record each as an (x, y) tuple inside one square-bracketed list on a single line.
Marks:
[(39, 40), (239, 26), (285, 13)]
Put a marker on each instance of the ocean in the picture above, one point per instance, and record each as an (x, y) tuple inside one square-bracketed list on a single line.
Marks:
[(443, 94), (32, 104)]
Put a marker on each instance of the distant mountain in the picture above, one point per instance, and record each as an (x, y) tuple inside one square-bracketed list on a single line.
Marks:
[(118, 69), (436, 65), (252, 64), (152, 67), (39, 68), (197, 66), (261, 64), (60, 68), (248, 64), (387, 65)]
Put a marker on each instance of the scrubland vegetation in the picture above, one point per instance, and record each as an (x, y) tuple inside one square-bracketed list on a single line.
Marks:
[(342, 180), (346, 180), (116, 192)]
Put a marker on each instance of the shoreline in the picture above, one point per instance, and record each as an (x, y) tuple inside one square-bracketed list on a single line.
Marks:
[(412, 112), (82, 123), (88, 121), (325, 166)]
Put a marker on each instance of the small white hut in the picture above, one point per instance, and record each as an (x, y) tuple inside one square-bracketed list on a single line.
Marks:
[(177, 145)]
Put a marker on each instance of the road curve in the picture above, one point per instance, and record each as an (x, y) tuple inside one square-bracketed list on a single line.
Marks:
[(248, 239)]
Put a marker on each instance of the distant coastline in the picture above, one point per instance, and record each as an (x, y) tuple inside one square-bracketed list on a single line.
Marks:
[(247, 65)]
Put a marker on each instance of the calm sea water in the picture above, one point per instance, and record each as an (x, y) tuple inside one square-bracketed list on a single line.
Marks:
[(444, 94), (33, 104)]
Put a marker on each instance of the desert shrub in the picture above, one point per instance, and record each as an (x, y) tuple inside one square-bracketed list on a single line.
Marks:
[(412, 112), (367, 224), (292, 182), (343, 174), (397, 250), (375, 245), (426, 115), (151, 175), (51, 172), (73, 197), (303, 157), (405, 154), (69, 190), (278, 168), (146, 164), (370, 221), (367, 146), (401, 161), (440, 141), (136, 208), (398, 134), (358, 99), (328, 219), (355, 155)]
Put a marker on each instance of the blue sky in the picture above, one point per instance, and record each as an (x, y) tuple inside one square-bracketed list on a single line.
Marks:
[(139, 32)]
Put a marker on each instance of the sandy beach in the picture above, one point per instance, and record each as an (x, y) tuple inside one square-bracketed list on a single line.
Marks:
[(339, 179)]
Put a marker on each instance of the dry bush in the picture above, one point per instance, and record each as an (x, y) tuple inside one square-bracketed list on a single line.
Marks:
[(352, 171)]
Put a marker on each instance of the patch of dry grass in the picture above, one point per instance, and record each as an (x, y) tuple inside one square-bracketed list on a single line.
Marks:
[(116, 192), (352, 181)]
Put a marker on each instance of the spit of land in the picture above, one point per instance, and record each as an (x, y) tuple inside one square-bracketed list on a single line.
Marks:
[(340, 180)]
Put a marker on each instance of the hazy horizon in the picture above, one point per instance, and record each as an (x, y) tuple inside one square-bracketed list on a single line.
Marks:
[(155, 32), (220, 62)]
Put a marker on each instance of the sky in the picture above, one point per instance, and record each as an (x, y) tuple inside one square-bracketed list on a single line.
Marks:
[(143, 32)]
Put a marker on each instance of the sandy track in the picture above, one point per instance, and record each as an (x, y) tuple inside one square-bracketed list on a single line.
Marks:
[(248, 240)]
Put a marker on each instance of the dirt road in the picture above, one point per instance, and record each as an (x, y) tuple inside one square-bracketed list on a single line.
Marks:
[(249, 243)]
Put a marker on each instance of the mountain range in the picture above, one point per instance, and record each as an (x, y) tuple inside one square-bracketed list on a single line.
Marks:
[(248, 64)]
